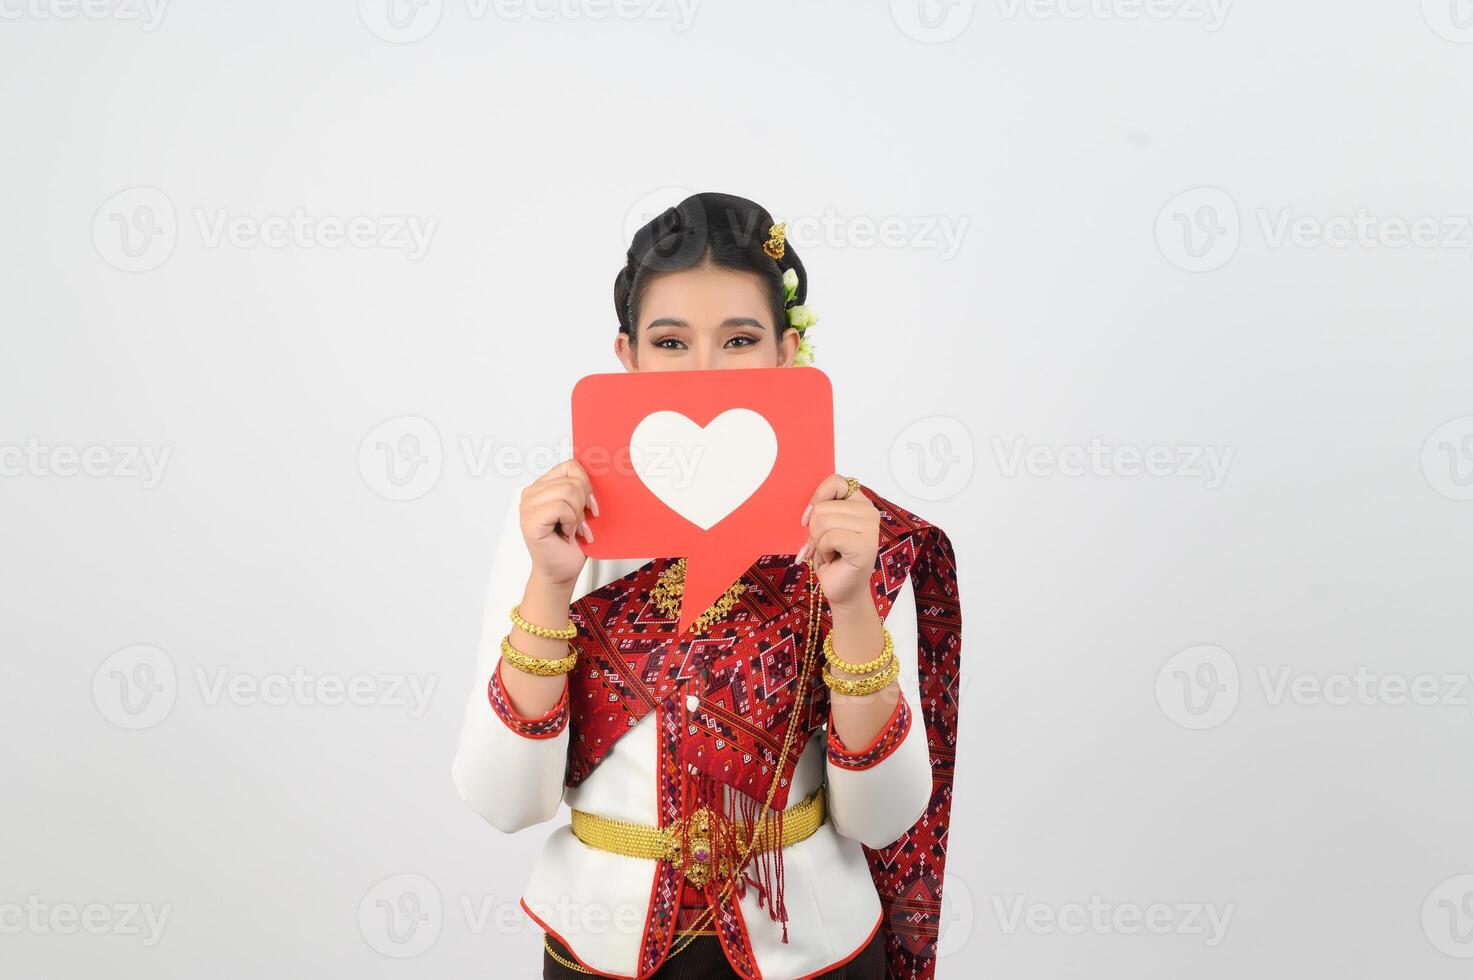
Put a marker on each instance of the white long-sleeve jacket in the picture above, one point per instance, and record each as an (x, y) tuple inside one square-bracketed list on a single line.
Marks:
[(511, 771)]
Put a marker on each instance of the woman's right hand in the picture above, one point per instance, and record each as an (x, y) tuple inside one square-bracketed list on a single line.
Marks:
[(552, 517)]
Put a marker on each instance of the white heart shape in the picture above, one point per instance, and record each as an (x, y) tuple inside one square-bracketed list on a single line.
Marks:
[(703, 474)]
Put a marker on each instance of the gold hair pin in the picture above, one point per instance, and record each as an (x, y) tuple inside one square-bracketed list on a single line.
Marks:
[(777, 238)]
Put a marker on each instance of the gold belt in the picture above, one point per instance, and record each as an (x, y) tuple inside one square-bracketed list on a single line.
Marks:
[(693, 842)]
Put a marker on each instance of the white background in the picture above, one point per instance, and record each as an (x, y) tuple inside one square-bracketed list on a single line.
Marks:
[(1119, 173)]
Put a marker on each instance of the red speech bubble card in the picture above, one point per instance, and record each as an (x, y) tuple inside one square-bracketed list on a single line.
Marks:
[(713, 466)]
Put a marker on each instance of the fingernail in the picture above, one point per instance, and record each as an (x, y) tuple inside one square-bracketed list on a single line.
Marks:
[(587, 531), (801, 553), (806, 512), (593, 504)]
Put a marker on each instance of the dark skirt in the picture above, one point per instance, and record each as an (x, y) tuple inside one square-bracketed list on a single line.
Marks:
[(704, 960)]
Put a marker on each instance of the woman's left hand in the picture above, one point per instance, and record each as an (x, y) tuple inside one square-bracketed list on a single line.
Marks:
[(843, 538)]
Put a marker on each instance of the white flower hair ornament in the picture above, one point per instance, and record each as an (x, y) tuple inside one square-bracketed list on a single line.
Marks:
[(800, 318)]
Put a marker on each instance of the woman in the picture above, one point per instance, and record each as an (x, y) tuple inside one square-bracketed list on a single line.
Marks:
[(718, 832)]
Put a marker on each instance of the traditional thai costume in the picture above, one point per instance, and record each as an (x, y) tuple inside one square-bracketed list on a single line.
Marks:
[(667, 746)]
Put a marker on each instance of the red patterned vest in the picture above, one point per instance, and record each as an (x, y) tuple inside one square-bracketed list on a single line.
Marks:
[(743, 670)]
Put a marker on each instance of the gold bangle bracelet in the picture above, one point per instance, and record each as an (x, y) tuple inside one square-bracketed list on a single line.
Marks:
[(542, 632), (865, 686), (868, 667), (539, 666)]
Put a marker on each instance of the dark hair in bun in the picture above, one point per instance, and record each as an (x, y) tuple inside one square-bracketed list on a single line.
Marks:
[(720, 229)]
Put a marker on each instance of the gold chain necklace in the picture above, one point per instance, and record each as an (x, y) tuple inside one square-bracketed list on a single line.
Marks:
[(810, 650), (670, 586)]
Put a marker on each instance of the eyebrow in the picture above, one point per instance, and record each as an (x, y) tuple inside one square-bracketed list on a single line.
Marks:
[(744, 321), (736, 321)]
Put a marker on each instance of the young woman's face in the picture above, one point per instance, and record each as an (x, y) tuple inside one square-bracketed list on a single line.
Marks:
[(705, 318)]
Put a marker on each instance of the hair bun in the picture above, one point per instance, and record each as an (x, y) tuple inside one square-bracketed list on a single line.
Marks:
[(727, 230)]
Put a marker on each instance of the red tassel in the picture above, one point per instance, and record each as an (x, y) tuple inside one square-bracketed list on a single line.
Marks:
[(764, 871), (779, 878)]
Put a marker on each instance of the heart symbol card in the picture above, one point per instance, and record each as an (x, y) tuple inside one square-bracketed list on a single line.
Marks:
[(712, 466)]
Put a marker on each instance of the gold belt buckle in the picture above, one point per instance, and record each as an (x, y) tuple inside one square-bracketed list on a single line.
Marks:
[(691, 845)]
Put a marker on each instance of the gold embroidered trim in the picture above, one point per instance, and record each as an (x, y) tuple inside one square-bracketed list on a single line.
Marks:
[(670, 587), (561, 959)]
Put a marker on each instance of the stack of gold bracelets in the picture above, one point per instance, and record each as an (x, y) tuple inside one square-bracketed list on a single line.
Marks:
[(872, 675), (540, 666)]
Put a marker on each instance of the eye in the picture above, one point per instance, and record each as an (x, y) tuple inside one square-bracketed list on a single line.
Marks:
[(741, 340), (669, 343)]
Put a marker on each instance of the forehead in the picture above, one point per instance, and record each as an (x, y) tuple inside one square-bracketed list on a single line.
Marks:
[(704, 293)]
